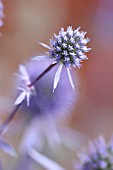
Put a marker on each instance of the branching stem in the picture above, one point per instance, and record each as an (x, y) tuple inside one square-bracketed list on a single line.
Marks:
[(16, 107)]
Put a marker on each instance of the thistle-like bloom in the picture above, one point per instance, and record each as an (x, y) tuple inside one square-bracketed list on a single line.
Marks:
[(68, 49), (27, 90), (100, 156), (1, 13)]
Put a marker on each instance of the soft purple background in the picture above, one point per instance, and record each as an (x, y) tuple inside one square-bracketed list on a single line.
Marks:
[(28, 22)]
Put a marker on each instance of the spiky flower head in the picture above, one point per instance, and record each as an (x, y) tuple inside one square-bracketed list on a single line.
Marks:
[(99, 157), (68, 49)]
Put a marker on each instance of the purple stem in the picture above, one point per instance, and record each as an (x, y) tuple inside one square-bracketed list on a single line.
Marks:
[(8, 120), (43, 73), (13, 113)]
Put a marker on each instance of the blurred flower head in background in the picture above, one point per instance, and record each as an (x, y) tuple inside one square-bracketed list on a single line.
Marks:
[(99, 157), (1, 13)]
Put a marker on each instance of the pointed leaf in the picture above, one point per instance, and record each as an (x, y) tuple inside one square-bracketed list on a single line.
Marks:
[(57, 76), (77, 63), (42, 57), (28, 98), (46, 46), (24, 74), (7, 148), (70, 78), (44, 161), (20, 98)]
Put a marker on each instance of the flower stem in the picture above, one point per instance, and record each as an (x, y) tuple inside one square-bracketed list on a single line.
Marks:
[(8, 120), (43, 73), (16, 108)]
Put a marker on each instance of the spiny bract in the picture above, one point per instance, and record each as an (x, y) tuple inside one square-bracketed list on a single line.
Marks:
[(99, 157)]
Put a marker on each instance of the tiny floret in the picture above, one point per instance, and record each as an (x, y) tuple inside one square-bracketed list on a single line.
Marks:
[(68, 49), (99, 157)]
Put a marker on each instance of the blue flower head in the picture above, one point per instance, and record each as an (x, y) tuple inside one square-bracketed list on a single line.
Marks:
[(1, 13), (68, 49), (99, 157)]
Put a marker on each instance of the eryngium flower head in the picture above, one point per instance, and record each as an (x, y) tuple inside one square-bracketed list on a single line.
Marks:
[(1, 13), (67, 49), (44, 101), (100, 156)]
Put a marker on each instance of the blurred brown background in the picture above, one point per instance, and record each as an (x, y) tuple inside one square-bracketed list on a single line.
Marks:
[(28, 22)]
